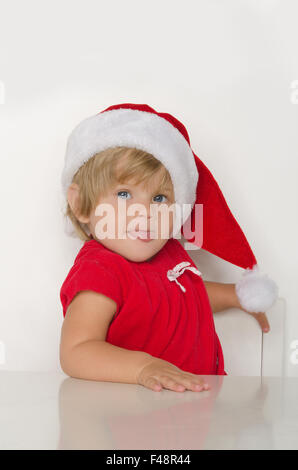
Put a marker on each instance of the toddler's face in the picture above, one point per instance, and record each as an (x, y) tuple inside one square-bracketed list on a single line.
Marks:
[(135, 232)]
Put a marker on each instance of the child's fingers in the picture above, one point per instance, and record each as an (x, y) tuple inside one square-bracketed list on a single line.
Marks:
[(181, 383), (191, 381), (195, 384), (172, 384), (153, 384), (157, 375), (262, 319)]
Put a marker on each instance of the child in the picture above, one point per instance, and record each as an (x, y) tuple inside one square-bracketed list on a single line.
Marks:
[(136, 308)]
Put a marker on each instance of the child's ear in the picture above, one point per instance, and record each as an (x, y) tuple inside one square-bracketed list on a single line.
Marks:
[(73, 201)]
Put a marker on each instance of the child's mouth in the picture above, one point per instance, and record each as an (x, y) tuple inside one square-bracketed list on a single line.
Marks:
[(142, 235)]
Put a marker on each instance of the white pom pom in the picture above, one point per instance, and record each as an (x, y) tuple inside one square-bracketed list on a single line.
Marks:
[(256, 292)]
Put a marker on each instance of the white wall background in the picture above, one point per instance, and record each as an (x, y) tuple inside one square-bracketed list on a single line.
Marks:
[(224, 68)]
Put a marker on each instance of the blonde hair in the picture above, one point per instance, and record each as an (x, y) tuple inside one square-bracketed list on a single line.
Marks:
[(96, 177)]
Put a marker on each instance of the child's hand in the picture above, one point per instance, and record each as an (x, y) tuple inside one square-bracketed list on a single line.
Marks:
[(224, 296), (158, 374), (261, 319)]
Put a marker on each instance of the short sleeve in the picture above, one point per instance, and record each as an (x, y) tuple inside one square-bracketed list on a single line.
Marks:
[(90, 275)]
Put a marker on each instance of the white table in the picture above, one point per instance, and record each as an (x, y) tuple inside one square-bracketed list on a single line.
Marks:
[(53, 411)]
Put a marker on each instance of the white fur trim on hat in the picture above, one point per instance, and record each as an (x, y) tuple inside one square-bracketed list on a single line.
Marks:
[(256, 292), (138, 129)]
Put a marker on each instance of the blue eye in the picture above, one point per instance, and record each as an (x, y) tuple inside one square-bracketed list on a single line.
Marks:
[(160, 195), (122, 192)]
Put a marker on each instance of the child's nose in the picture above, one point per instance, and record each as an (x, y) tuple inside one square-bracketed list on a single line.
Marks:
[(146, 208)]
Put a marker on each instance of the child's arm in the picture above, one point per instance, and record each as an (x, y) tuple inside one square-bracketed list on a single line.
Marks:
[(84, 353), (223, 296)]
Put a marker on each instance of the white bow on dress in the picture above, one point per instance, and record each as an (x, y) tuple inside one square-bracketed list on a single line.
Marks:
[(179, 269)]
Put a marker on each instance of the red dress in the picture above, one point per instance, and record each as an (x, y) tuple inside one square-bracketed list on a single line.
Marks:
[(160, 310)]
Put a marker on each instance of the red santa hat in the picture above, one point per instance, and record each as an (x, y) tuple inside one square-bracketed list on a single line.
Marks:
[(166, 138)]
